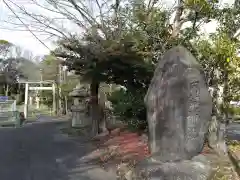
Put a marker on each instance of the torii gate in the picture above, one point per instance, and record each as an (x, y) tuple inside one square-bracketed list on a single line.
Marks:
[(34, 88)]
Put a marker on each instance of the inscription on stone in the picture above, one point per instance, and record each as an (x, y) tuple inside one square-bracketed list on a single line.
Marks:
[(193, 110), (178, 107)]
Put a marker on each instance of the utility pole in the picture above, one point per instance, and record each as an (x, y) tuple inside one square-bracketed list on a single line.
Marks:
[(26, 101), (59, 88), (65, 97), (41, 79), (54, 98)]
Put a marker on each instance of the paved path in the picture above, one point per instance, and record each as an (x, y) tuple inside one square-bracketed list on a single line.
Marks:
[(39, 152), (233, 131)]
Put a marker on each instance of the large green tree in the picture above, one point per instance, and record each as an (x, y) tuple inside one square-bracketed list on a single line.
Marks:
[(218, 54), (126, 37), (13, 67), (133, 39)]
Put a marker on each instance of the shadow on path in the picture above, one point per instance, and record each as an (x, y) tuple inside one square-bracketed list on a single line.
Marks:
[(39, 151)]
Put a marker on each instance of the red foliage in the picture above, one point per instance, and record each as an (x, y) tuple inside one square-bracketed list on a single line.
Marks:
[(129, 146)]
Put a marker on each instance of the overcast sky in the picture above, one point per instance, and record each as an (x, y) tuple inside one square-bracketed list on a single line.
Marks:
[(28, 41)]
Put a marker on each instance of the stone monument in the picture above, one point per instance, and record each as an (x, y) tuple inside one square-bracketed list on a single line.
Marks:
[(79, 107), (178, 112)]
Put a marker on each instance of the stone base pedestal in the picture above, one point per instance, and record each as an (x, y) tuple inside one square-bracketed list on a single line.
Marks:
[(79, 117), (198, 168)]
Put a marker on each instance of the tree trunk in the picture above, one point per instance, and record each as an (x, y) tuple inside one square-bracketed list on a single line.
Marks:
[(6, 89), (65, 105), (178, 21), (216, 130), (102, 100), (222, 147), (225, 97), (57, 100), (95, 114), (214, 124)]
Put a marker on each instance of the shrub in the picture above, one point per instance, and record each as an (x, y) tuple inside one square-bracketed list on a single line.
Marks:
[(234, 110), (129, 106)]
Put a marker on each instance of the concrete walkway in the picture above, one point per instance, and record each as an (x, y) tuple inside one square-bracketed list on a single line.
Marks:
[(39, 151)]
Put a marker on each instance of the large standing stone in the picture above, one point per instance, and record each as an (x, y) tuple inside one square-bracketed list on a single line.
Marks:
[(178, 107)]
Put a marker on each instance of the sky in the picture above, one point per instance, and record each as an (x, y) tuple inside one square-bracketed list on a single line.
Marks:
[(27, 41)]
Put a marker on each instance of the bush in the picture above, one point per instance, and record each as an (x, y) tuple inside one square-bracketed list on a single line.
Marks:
[(129, 106), (234, 111)]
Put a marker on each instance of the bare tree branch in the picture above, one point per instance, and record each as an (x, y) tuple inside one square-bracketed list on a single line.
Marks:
[(178, 21), (9, 7), (76, 12), (34, 17), (38, 29)]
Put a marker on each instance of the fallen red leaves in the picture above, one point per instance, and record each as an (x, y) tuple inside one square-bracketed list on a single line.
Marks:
[(126, 146)]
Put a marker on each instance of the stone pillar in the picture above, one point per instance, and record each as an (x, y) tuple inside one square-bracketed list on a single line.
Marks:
[(30, 100), (26, 101), (38, 102)]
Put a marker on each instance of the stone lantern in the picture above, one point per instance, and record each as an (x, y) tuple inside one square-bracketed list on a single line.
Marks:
[(79, 108)]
